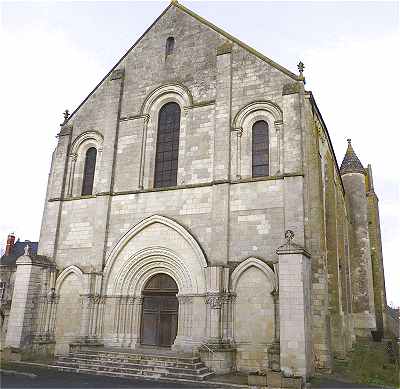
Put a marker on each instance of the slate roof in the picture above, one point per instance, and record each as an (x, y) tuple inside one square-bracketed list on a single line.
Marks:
[(17, 251), (351, 163)]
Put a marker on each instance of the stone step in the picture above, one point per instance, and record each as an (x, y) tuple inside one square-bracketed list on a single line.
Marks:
[(80, 362), (135, 364), (118, 372), (173, 362), (133, 355)]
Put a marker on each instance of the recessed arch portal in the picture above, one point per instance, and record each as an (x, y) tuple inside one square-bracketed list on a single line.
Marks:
[(159, 323), (155, 245)]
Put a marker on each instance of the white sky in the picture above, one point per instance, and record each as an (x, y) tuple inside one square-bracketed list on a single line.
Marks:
[(53, 54)]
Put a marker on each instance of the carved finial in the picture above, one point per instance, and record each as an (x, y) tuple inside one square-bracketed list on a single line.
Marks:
[(300, 66), (349, 141), (289, 235), (66, 116), (26, 250)]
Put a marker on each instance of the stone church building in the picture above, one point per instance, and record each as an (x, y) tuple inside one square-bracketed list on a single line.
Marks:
[(195, 203)]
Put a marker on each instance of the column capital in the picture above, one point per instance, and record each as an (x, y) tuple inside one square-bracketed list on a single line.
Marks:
[(278, 125), (214, 300)]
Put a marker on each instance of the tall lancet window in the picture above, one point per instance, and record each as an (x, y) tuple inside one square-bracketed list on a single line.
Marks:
[(88, 172), (166, 167), (260, 149)]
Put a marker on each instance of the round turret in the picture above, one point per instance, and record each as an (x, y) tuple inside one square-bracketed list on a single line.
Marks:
[(353, 177)]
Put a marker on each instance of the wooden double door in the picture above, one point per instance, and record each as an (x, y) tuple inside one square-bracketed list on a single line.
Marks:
[(160, 312)]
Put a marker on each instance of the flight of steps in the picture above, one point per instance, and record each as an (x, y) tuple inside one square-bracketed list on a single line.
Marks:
[(134, 364)]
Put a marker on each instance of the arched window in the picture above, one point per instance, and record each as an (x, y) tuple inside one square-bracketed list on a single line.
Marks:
[(88, 172), (169, 46), (166, 167), (260, 149)]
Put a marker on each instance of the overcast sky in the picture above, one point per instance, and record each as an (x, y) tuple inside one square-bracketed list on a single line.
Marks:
[(55, 53)]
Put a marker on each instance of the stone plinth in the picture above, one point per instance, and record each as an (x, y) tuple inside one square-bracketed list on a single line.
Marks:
[(295, 310), (24, 301), (220, 361)]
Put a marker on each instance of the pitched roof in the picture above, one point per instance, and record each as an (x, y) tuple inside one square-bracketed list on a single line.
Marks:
[(351, 163), (230, 37), (18, 250)]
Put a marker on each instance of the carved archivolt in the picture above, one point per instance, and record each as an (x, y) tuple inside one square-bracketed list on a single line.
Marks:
[(259, 106), (181, 95), (127, 274), (241, 138), (150, 110), (94, 137), (77, 159)]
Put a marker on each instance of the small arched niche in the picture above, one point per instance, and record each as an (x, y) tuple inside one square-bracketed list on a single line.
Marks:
[(169, 46)]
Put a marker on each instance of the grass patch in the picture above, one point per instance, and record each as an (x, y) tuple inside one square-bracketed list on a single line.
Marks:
[(371, 363)]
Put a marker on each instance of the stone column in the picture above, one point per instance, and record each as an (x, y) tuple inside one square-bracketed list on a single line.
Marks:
[(295, 309), (227, 318), (100, 318), (85, 317), (146, 119), (217, 287), (185, 316), (275, 296), (278, 129), (214, 303), (94, 318), (136, 313), (124, 330)]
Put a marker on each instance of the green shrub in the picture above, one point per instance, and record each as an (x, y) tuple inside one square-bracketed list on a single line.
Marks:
[(371, 363)]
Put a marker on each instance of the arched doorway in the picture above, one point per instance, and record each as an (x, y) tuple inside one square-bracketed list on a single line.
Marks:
[(160, 311)]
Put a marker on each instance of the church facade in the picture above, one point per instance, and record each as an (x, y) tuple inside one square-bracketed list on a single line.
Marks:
[(195, 202)]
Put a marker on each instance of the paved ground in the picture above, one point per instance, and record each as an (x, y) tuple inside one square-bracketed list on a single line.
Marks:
[(37, 377), (64, 380), (27, 376), (333, 384)]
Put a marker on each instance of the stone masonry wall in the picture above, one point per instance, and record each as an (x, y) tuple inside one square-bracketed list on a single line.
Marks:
[(231, 217)]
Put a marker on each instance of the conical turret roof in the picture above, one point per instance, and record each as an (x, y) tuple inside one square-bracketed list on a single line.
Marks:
[(351, 163)]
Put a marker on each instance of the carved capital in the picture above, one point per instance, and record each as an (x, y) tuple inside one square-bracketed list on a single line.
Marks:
[(96, 299), (51, 296), (185, 299), (231, 297), (214, 300), (146, 119), (239, 131), (278, 125)]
